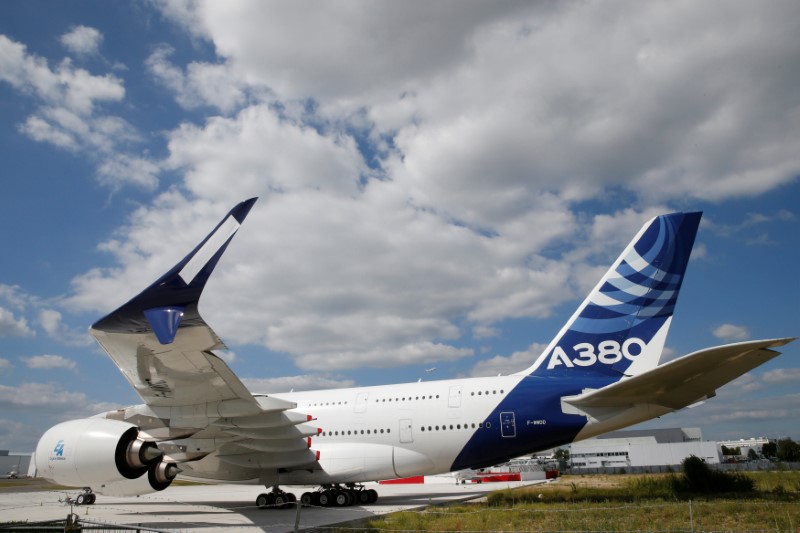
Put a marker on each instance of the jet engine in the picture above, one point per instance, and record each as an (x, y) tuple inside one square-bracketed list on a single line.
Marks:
[(100, 453)]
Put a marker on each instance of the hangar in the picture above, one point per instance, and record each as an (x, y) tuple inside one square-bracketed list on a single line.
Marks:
[(642, 449)]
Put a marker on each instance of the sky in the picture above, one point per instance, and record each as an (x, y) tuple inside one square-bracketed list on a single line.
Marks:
[(440, 184)]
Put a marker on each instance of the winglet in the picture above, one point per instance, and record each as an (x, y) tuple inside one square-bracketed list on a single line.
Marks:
[(171, 302)]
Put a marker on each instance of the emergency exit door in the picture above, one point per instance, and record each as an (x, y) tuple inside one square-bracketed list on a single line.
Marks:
[(508, 425)]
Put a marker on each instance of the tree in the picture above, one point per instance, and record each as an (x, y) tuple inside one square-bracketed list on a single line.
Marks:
[(751, 455), (788, 450), (561, 454), (770, 449)]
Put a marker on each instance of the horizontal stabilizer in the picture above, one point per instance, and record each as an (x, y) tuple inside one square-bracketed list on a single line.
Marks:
[(683, 381)]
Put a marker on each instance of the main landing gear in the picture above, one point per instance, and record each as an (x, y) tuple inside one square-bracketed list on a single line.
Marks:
[(326, 496), (275, 499), (338, 496)]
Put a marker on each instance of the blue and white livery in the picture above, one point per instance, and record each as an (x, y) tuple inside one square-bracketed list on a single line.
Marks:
[(600, 373)]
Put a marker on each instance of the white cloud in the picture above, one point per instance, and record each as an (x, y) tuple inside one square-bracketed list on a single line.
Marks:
[(202, 83), (782, 375), (48, 362), (82, 40), (302, 382), (517, 100), (49, 399), (11, 326), (5, 364), (516, 362), (70, 115), (731, 332), (408, 198)]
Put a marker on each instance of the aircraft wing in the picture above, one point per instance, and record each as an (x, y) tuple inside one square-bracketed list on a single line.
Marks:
[(163, 346), (684, 381)]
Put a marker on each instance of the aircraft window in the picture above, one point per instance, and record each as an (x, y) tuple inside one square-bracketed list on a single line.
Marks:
[(362, 431), (488, 425), (458, 426), (451, 426), (479, 393), (437, 428), (422, 428), (437, 396), (381, 431), (472, 393), (417, 398), (473, 425), (501, 391), (480, 425), (494, 392), (388, 431), (487, 393)]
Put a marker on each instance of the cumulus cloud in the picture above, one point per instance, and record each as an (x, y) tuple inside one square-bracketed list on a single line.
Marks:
[(70, 113), (82, 40), (782, 375), (11, 326), (423, 172), (301, 382), (731, 332), (48, 362), (202, 84), (501, 365)]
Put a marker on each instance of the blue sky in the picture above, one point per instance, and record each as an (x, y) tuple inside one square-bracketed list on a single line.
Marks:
[(440, 185)]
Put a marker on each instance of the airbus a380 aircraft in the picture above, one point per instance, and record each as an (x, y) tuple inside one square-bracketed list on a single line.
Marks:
[(600, 373)]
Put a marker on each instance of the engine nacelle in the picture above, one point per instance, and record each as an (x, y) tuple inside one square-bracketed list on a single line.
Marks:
[(97, 452)]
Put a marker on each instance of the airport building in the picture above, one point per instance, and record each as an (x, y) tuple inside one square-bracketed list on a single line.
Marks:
[(18, 463), (642, 449)]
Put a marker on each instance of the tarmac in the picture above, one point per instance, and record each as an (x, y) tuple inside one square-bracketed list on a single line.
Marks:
[(215, 508)]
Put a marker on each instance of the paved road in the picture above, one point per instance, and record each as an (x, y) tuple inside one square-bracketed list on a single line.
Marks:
[(212, 508)]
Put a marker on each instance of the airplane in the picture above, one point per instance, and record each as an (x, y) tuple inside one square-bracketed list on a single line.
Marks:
[(600, 373)]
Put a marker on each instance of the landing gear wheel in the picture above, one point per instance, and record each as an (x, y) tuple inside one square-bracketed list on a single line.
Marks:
[(90, 499), (364, 497), (280, 501), (80, 500), (373, 495), (341, 498), (306, 499), (325, 498), (263, 501)]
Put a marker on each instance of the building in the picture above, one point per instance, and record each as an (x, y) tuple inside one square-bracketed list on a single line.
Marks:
[(19, 463), (642, 449)]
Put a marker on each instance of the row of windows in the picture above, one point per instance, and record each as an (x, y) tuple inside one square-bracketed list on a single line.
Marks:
[(431, 397), (601, 454), (404, 398), (354, 432), (444, 427), (480, 425)]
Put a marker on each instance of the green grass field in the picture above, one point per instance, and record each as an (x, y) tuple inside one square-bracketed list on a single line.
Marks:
[(616, 503)]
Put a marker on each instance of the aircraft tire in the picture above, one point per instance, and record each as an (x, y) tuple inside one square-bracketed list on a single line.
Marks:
[(326, 498), (373, 495), (262, 501), (341, 498), (279, 500)]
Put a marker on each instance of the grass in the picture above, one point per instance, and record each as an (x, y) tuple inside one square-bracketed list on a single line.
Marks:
[(616, 503)]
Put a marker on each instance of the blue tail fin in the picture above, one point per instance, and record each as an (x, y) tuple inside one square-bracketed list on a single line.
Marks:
[(621, 327)]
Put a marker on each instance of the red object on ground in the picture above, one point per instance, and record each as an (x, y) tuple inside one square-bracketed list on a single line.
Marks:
[(403, 480), (490, 477)]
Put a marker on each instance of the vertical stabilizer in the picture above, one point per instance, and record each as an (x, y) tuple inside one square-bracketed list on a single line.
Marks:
[(621, 327)]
